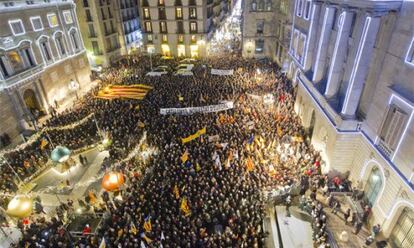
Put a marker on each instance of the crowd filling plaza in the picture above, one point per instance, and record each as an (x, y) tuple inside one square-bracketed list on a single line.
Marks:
[(206, 183)]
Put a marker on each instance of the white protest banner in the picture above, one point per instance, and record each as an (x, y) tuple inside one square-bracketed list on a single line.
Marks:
[(213, 138), (222, 72), (205, 109)]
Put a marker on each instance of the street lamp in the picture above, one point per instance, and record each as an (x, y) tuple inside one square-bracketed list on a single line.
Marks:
[(112, 181), (74, 86), (20, 206)]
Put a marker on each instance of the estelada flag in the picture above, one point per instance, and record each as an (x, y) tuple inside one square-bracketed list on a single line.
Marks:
[(184, 207), (147, 224), (134, 229), (184, 157), (249, 164), (43, 144)]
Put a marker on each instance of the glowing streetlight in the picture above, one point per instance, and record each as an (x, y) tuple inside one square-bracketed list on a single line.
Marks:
[(20, 206), (60, 154), (112, 181)]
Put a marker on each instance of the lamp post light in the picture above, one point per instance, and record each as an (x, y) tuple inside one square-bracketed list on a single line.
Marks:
[(74, 86), (112, 181)]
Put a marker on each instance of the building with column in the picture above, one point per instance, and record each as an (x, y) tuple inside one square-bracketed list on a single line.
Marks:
[(42, 60), (353, 62), (180, 27), (266, 29)]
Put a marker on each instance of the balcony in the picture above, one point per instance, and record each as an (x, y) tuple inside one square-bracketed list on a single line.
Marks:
[(26, 74)]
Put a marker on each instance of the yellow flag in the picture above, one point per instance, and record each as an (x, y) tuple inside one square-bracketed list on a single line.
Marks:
[(134, 229), (249, 164), (176, 192), (141, 124), (198, 168), (194, 136), (184, 207), (147, 225), (43, 144), (184, 157)]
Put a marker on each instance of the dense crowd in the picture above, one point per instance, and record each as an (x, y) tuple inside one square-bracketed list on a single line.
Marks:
[(254, 147)]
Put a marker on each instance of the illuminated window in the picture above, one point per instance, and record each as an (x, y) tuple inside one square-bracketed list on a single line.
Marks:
[(164, 38), (147, 13), (163, 27), (193, 39), (149, 37), (193, 13), (53, 21), (68, 17), (179, 13), (403, 231), (37, 24), (161, 2), (193, 27), (148, 27), (17, 27), (180, 38), (254, 5), (268, 5)]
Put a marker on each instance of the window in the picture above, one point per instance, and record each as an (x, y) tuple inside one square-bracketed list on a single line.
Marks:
[(17, 27), (180, 38), (193, 27), (109, 13), (4, 71), (301, 48), (60, 44), (161, 2), (161, 14), (91, 30), (146, 13), (192, 2), (299, 7), (193, 39), (307, 9), (163, 27), (260, 26), (392, 128), (373, 186), (52, 19), (68, 17), (103, 14), (254, 5), (178, 3), (148, 27), (45, 49), (179, 13), (88, 15), (95, 47), (149, 37), (403, 232), (268, 5), (37, 24), (180, 27), (75, 40), (410, 54), (85, 3), (164, 38), (259, 46), (193, 13)]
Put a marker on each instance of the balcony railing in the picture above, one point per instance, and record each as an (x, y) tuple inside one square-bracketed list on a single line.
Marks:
[(22, 75)]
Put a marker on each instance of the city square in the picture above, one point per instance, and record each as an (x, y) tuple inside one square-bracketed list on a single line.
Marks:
[(197, 123)]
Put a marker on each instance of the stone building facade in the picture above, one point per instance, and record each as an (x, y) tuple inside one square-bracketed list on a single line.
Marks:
[(180, 27), (42, 60), (353, 62), (266, 29)]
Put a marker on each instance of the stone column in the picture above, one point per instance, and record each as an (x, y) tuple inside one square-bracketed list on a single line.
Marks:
[(360, 65), (42, 96), (311, 38), (320, 60), (339, 53)]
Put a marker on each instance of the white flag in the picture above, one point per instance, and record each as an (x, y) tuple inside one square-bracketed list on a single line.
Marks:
[(162, 236), (143, 244)]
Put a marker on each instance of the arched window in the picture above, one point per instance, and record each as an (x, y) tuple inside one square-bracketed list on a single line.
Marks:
[(373, 186), (44, 47), (261, 5), (60, 44), (254, 5), (74, 38), (403, 233), (268, 5)]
